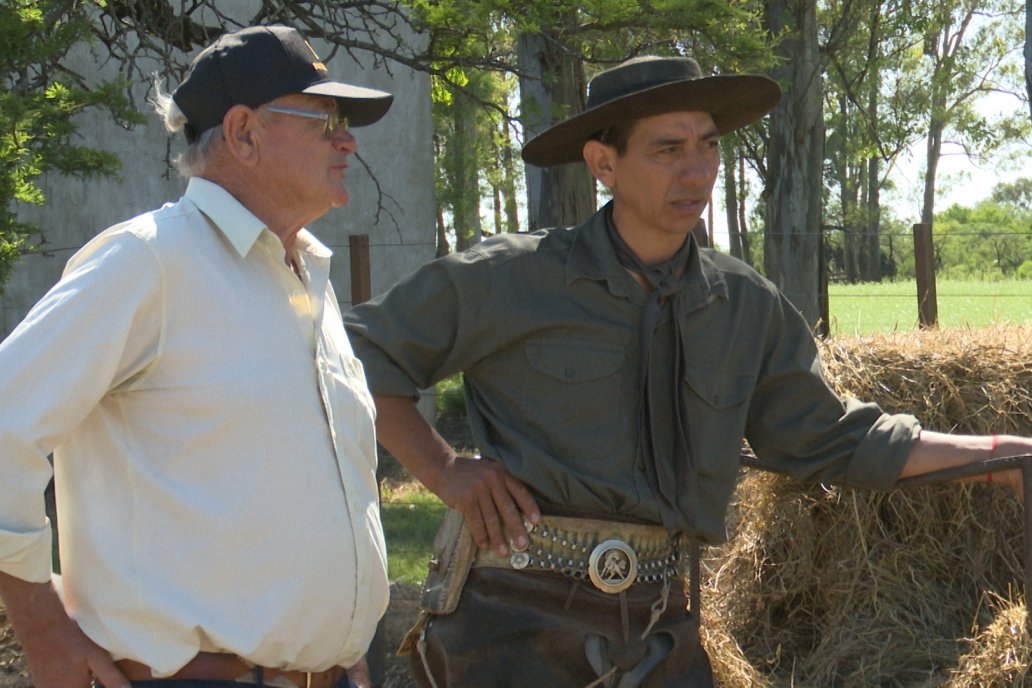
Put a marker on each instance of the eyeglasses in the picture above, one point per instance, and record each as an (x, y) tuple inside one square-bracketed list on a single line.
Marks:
[(332, 120)]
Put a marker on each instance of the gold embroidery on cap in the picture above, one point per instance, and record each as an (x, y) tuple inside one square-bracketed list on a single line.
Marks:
[(319, 66)]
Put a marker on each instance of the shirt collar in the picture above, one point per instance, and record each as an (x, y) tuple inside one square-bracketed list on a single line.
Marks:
[(592, 257), (238, 224)]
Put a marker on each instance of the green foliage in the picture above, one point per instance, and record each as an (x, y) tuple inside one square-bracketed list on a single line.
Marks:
[(1017, 194), (990, 241), (451, 399), (37, 105)]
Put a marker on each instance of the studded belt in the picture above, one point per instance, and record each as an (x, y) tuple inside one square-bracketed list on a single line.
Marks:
[(612, 555)]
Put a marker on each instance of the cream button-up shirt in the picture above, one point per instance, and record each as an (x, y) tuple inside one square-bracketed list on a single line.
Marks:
[(213, 445)]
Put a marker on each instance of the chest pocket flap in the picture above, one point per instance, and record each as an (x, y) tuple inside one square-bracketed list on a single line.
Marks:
[(574, 361), (720, 388)]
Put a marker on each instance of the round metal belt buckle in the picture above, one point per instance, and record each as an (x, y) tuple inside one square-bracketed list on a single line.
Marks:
[(613, 566)]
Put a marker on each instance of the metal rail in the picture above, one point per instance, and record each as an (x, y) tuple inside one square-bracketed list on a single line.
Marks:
[(1023, 462)]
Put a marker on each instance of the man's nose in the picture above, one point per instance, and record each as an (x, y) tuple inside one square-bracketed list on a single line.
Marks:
[(697, 168), (344, 140)]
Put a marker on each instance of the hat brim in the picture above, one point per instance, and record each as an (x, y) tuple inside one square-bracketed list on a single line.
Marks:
[(361, 105), (734, 101)]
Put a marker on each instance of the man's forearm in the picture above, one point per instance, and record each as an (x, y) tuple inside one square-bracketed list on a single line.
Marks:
[(403, 431), (936, 451), (58, 653), (28, 604)]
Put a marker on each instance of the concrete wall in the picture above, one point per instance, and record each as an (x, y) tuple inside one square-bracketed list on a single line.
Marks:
[(398, 151)]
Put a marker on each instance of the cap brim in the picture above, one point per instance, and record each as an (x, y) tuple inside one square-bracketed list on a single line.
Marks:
[(361, 105), (734, 101)]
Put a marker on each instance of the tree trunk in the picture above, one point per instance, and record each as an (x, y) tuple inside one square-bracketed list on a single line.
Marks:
[(496, 193), (1028, 52), (734, 235), (465, 179), (562, 195), (443, 247), (743, 224), (872, 199), (510, 203), (933, 151), (795, 159), (847, 200)]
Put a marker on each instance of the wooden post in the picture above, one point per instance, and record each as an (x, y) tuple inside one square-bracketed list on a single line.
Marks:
[(823, 329), (372, 668), (361, 284), (924, 269)]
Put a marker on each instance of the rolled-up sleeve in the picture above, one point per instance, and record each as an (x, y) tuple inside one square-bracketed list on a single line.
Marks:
[(798, 424)]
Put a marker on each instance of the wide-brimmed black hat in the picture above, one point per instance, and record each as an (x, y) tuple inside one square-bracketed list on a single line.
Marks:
[(261, 63), (647, 86)]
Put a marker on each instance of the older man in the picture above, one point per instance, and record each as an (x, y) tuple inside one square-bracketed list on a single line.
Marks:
[(611, 372), (211, 430)]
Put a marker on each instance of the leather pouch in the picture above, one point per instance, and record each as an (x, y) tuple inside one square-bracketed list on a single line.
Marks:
[(453, 553)]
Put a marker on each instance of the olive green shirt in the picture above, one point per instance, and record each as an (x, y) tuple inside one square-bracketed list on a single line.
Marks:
[(545, 328)]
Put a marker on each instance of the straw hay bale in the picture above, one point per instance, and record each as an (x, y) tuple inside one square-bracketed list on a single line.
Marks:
[(822, 586)]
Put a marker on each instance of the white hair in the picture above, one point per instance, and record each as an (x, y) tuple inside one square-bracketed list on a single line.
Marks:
[(195, 158)]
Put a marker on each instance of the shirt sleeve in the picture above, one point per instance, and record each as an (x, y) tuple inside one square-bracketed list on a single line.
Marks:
[(423, 329), (798, 424), (94, 331)]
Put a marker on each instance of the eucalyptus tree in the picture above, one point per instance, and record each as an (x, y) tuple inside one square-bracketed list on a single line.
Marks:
[(473, 156), (969, 50), (873, 114), (795, 159), (1028, 52)]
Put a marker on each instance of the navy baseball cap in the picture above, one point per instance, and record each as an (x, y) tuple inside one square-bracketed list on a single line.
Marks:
[(261, 63)]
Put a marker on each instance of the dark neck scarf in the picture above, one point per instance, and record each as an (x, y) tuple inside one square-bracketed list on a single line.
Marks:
[(667, 478)]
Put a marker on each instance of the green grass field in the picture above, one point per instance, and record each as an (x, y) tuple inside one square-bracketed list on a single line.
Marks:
[(858, 309), (411, 516)]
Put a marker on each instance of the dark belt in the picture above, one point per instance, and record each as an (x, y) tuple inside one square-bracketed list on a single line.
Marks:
[(215, 666), (612, 555)]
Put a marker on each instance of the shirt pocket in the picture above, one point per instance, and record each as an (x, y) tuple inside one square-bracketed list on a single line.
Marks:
[(717, 407), (719, 388), (573, 384)]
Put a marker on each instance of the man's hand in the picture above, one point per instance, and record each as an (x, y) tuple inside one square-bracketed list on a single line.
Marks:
[(492, 501), (58, 653)]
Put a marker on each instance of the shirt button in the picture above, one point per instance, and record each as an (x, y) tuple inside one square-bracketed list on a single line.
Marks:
[(570, 372)]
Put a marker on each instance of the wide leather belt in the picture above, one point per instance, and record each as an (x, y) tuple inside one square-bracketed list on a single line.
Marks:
[(215, 666), (612, 555)]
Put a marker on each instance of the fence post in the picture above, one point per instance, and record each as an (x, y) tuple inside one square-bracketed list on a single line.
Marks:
[(374, 664), (924, 269), (361, 281), (823, 299)]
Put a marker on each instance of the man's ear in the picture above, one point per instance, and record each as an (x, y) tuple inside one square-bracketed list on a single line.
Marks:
[(241, 129), (601, 160)]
